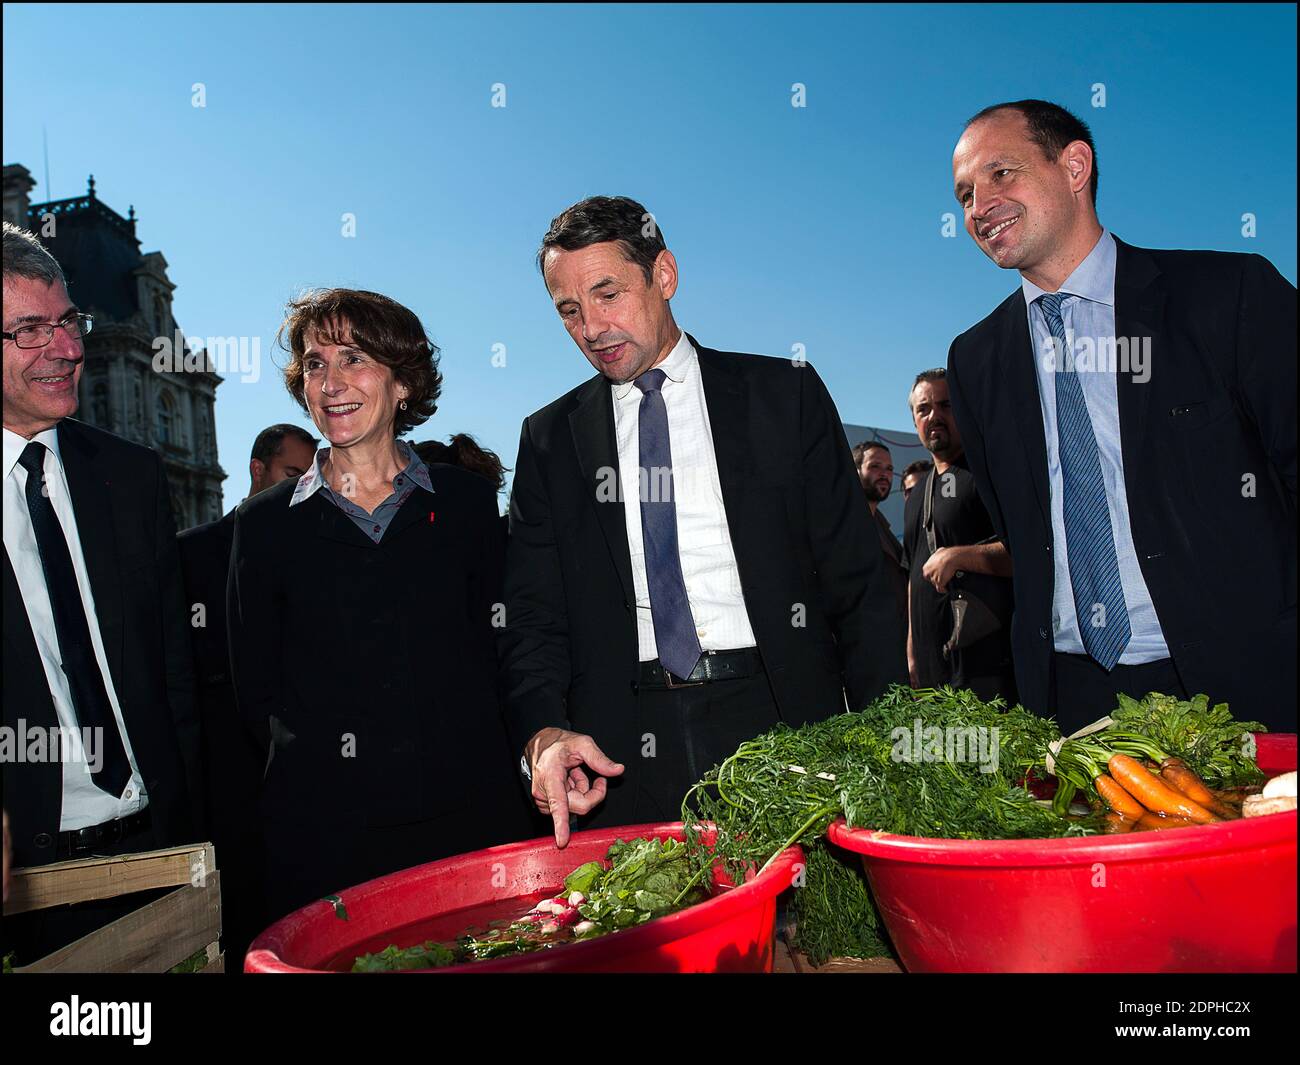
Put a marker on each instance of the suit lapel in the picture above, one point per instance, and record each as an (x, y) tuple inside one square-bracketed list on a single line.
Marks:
[(91, 490), (1017, 354), (592, 426), (1139, 312), (727, 399)]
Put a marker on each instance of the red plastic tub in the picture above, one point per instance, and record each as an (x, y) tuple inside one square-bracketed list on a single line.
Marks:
[(731, 932), (1216, 897)]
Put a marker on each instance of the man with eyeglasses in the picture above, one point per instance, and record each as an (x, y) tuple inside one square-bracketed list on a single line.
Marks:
[(96, 647)]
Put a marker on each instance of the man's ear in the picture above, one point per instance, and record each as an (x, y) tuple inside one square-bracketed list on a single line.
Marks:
[(1078, 163), (665, 274), (256, 472)]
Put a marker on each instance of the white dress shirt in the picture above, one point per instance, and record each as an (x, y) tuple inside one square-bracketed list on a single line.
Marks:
[(703, 540), (1088, 311), (84, 804)]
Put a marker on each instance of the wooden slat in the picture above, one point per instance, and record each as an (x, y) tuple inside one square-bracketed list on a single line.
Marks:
[(216, 960), (39, 886), (150, 940)]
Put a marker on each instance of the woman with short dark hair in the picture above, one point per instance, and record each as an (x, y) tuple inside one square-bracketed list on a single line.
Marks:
[(361, 602)]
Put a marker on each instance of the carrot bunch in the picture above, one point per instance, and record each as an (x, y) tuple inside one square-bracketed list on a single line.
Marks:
[(1142, 787)]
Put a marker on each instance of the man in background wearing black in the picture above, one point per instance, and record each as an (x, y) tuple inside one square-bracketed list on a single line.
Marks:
[(913, 474), (875, 466), (964, 543), (232, 760)]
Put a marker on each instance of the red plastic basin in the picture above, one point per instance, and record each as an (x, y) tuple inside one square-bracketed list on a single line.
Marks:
[(1216, 897), (731, 932)]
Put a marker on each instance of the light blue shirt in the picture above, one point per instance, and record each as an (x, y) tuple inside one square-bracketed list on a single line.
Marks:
[(1088, 314)]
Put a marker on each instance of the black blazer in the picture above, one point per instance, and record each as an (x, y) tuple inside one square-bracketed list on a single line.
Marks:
[(233, 760), (128, 537), (372, 667), (804, 543), (1209, 448)]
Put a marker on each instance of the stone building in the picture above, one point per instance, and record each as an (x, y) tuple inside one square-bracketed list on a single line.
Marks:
[(130, 296)]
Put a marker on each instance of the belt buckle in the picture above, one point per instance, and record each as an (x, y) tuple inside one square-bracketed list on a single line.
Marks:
[(687, 683)]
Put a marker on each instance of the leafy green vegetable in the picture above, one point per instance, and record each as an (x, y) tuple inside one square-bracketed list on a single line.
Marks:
[(647, 878), (1216, 748), (936, 763), (427, 955), (835, 916)]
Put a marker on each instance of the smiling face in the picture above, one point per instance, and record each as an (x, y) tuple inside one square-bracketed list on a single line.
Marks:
[(1023, 210), (351, 396), (40, 384), (621, 324)]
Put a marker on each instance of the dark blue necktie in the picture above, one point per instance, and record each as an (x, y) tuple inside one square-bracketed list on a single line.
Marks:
[(1090, 544), (679, 648), (85, 679)]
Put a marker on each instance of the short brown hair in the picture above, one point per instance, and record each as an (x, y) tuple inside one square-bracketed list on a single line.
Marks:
[(860, 450), (379, 326)]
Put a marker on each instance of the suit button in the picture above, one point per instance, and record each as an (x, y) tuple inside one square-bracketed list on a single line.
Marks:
[(1042, 633), (43, 839), (1048, 548)]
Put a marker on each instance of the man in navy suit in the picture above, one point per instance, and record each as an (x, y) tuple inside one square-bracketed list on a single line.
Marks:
[(1130, 419)]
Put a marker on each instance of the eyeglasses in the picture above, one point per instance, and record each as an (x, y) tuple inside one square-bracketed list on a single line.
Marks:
[(38, 336)]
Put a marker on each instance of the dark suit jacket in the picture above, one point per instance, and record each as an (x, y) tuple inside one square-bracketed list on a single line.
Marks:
[(128, 537), (372, 667), (1209, 448), (233, 761), (804, 543)]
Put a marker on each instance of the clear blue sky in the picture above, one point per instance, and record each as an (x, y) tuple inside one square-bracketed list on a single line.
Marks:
[(818, 226)]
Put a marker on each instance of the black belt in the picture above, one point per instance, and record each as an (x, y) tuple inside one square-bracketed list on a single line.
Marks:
[(713, 665), (80, 842)]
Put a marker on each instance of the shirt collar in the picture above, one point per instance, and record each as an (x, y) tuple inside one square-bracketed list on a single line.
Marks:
[(15, 444), (1092, 280), (675, 367), (313, 480)]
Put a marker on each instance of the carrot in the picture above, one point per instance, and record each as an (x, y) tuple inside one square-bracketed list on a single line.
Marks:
[(1154, 793), (1116, 824), (1149, 822), (1118, 799), (1175, 773)]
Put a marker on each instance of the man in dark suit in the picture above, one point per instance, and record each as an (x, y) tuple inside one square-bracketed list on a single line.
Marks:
[(1130, 419), (233, 761), (690, 560), (95, 648)]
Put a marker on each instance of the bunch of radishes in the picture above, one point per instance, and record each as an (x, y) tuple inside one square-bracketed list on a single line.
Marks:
[(550, 915)]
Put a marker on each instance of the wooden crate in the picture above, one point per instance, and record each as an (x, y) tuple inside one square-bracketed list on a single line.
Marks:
[(152, 939)]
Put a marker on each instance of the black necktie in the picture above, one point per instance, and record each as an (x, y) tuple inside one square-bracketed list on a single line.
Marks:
[(85, 680)]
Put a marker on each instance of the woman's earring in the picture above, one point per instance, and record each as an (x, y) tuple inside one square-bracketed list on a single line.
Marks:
[(402, 404)]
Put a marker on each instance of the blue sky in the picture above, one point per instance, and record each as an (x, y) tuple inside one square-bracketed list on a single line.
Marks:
[(819, 226)]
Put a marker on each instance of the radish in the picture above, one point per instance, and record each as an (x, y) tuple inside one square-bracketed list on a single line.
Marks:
[(576, 898), (1280, 787), (583, 927)]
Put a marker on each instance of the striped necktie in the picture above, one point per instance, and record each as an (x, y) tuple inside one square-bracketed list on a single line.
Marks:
[(1090, 542)]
